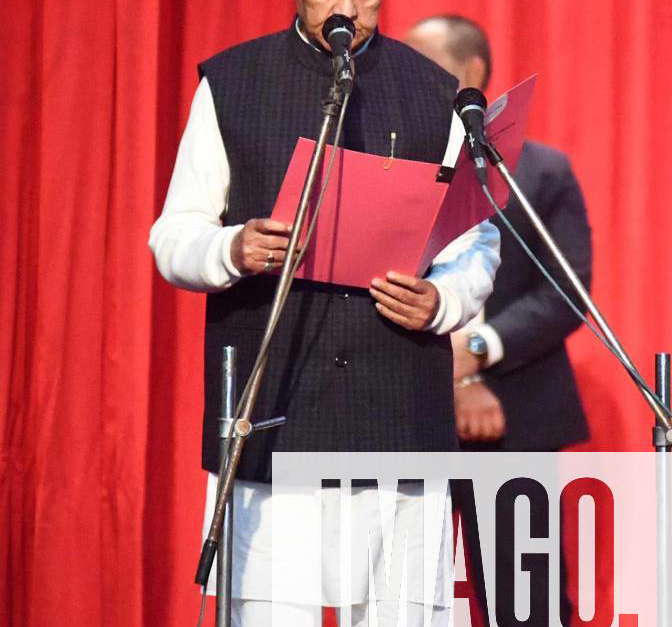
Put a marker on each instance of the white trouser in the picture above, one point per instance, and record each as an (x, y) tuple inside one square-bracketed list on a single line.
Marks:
[(295, 574), (257, 613)]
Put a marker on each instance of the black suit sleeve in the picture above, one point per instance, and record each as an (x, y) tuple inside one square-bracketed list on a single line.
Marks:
[(539, 320)]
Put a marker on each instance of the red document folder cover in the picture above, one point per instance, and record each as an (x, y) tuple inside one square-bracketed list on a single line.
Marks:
[(380, 214)]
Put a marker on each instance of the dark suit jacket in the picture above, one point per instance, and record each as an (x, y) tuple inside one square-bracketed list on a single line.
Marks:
[(534, 381)]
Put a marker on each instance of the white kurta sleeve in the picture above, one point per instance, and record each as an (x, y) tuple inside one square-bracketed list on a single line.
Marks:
[(464, 272), (190, 245)]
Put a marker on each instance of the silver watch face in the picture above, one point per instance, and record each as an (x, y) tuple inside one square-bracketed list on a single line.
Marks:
[(476, 345)]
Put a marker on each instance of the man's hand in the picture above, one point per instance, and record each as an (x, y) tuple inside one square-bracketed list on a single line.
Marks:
[(478, 412), (260, 246), (465, 363), (406, 300)]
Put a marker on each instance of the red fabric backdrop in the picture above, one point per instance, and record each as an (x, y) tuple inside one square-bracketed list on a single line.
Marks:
[(100, 361)]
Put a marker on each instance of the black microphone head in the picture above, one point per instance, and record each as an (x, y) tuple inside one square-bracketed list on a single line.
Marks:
[(469, 96), (339, 27)]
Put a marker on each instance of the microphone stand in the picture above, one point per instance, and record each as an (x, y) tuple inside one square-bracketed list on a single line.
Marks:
[(663, 501), (242, 426), (497, 161), (662, 432), (225, 547)]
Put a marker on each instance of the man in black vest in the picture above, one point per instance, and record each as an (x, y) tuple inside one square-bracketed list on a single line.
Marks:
[(351, 369), (514, 385)]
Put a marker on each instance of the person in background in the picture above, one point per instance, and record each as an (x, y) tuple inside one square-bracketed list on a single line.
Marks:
[(513, 382)]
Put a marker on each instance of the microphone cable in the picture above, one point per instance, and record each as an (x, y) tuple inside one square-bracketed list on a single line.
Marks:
[(631, 370)]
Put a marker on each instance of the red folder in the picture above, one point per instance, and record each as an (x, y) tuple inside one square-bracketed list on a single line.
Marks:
[(381, 214)]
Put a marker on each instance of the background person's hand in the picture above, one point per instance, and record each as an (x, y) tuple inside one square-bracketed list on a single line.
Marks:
[(258, 243), (407, 300), (478, 414), (465, 363)]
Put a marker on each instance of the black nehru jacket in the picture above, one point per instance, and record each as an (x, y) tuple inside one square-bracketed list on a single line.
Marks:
[(345, 378)]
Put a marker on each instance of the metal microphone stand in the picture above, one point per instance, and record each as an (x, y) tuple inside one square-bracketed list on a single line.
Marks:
[(663, 501), (662, 432), (496, 160), (225, 549), (242, 426)]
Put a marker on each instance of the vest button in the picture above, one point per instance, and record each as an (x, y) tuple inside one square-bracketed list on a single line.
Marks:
[(340, 362), (345, 296)]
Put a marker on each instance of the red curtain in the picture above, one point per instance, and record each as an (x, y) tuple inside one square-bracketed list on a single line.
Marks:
[(100, 361)]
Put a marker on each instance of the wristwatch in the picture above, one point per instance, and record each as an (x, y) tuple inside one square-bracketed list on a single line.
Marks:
[(477, 345)]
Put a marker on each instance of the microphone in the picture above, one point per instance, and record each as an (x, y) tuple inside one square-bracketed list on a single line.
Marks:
[(339, 31), (470, 105)]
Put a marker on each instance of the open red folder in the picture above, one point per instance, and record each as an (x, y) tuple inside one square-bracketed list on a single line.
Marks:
[(381, 214)]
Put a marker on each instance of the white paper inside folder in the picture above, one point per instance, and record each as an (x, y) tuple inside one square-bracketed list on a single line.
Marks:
[(455, 141)]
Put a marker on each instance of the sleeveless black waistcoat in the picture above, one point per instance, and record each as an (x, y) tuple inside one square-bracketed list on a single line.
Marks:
[(345, 378)]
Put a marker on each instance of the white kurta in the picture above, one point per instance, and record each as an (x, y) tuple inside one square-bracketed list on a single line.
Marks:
[(192, 251)]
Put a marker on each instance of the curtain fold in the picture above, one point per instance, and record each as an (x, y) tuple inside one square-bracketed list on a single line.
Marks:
[(101, 362)]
